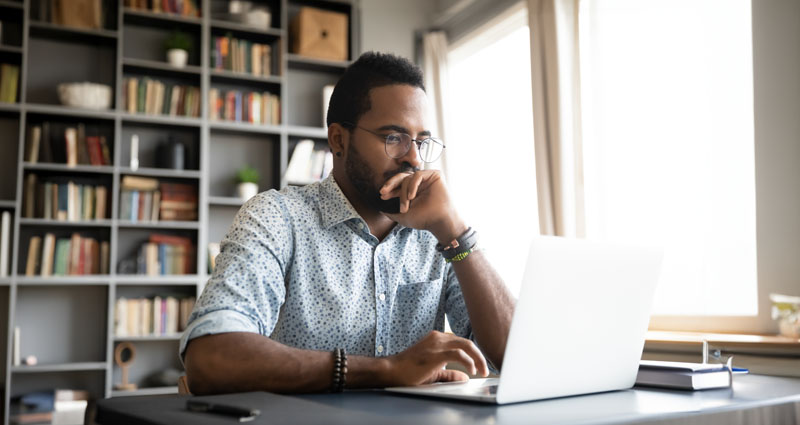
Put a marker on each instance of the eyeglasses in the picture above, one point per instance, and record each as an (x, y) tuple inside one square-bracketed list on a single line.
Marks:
[(397, 145)]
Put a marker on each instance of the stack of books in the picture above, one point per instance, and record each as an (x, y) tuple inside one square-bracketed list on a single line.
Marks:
[(166, 255), (43, 407), (76, 255), (70, 145), (64, 201), (307, 164), (156, 316), (9, 82), (685, 376), (233, 54), (148, 96), (250, 107), (180, 7), (147, 199), (178, 201)]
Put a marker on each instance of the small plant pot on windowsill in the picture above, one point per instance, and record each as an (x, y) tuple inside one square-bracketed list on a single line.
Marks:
[(246, 191), (177, 57)]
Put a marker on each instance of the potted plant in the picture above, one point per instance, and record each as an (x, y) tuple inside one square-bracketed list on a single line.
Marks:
[(247, 182), (178, 45)]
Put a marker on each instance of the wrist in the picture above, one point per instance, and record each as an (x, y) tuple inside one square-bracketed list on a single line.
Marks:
[(448, 229)]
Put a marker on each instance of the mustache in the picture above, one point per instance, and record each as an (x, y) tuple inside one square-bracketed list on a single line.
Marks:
[(404, 168)]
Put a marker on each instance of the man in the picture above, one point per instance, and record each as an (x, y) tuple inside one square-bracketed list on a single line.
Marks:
[(345, 283)]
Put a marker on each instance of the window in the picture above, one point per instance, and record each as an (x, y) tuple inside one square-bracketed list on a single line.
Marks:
[(667, 103), (490, 152)]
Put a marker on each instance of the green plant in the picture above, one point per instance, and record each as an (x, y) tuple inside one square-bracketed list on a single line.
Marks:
[(178, 40), (247, 174)]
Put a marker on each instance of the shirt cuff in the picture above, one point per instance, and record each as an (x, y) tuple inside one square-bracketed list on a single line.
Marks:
[(216, 322)]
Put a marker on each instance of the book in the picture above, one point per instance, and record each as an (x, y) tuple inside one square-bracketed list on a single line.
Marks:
[(34, 250), (71, 140), (5, 237), (30, 196), (48, 252), (686, 376), (33, 144), (9, 81)]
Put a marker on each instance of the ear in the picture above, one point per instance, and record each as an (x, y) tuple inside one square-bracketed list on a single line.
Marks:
[(338, 139)]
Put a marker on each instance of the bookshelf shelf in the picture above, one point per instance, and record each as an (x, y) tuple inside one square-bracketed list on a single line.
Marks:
[(64, 280), (63, 367), (245, 127), (223, 75), (10, 49), (302, 62), (44, 29), (98, 169), (69, 111), (64, 223), (162, 280), (159, 224), (150, 65), (11, 4), (146, 391), (5, 203), (146, 17), (230, 201), (162, 119), (9, 107), (310, 132), (162, 172), (5, 281), (235, 27), (148, 338)]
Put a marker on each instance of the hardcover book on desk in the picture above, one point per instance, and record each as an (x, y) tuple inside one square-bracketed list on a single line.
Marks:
[(686, 376)]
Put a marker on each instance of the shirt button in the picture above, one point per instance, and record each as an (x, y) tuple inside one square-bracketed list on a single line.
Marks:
[(380, 348), (361, 226), (382, 297)]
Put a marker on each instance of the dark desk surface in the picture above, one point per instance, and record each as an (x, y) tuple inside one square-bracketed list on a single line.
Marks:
[(637, 405)]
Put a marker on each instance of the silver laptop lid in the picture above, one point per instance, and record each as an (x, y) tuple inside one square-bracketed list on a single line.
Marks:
[(580, 321)]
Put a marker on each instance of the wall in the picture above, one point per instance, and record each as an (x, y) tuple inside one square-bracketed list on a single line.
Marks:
[(389, 25)]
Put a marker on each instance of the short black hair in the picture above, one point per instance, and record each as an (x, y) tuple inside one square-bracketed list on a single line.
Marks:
[(350, 98)]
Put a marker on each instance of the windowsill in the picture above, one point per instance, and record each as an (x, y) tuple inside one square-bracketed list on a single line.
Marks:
[(735, 343), (761, 354)]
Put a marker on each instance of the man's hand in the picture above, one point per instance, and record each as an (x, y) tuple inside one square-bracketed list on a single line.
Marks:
[(424, 204), (424, 362)]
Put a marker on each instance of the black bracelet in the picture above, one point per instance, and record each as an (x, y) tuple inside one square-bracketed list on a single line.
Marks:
[(339, 370), (463, 243)]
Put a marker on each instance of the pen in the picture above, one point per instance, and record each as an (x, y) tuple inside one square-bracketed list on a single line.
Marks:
[(244, 414)]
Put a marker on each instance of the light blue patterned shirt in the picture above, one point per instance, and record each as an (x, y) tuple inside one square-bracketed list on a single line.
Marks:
[(301, 267)]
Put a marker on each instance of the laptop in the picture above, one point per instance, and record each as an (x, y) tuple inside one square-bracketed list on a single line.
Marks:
[(579, 324)]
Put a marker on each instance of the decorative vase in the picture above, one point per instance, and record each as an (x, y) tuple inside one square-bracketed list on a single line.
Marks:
[(177, 57), (246, 191)]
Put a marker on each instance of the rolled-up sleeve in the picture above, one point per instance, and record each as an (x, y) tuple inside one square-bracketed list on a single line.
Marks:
[(247, 289)]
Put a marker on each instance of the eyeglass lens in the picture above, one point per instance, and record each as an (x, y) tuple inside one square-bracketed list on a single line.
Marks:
[(398, 144)]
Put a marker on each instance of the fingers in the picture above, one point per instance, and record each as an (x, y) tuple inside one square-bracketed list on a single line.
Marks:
[(475, 355), (404, 186), (449, 375)]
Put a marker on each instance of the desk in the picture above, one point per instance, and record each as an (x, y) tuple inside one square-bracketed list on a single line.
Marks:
[(754, 399)]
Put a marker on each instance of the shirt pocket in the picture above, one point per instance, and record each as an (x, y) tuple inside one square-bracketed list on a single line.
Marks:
[(416, 307)]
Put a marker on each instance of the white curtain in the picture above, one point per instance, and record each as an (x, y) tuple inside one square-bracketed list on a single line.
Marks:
[(434, 47), (555, 74)]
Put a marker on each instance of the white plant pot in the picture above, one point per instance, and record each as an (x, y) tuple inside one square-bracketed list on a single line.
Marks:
[(246, 191), (177, 57)]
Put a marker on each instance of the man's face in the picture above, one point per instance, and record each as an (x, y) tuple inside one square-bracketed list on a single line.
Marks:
[(396, 108)]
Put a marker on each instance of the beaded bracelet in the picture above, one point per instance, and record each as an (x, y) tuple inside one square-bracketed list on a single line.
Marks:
[(339, 370)]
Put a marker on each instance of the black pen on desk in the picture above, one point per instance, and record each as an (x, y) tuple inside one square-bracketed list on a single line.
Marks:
[(244, 414)]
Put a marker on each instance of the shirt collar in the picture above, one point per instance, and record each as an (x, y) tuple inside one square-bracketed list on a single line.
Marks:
[(334, 206)]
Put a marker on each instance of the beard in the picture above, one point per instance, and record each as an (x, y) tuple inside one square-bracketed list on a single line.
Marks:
[(363, 180)]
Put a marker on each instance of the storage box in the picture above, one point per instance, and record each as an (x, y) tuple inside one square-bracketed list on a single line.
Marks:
[(319, 34)]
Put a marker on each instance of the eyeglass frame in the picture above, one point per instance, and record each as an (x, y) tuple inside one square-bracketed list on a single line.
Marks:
[(415, 141)]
